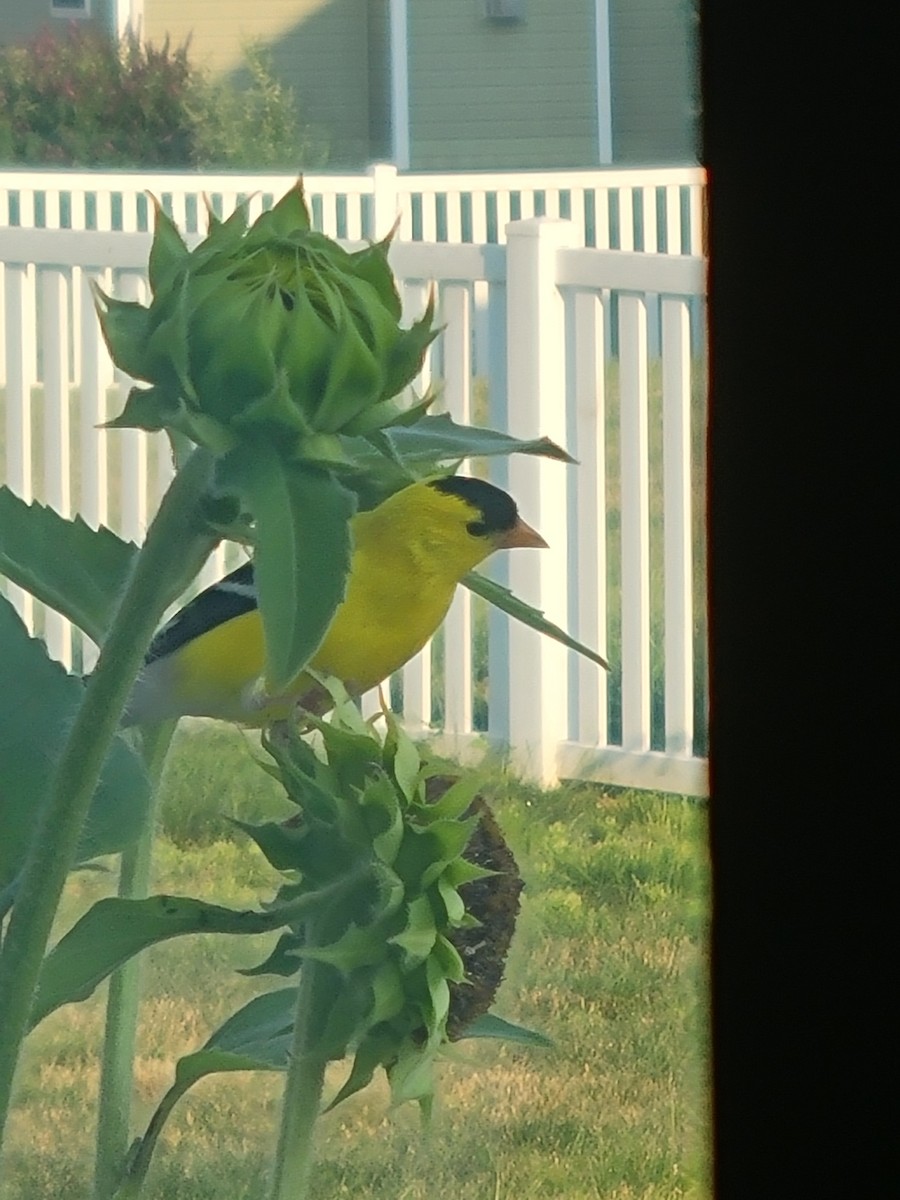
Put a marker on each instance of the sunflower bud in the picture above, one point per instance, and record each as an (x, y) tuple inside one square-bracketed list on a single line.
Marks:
[(272, 327)]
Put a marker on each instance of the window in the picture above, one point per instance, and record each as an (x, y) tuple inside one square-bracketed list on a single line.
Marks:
[(504, 12), (70, 8)]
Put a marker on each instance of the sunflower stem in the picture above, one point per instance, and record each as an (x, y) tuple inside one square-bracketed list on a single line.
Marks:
[(123, 1000), (176, 544), (301, 1102)]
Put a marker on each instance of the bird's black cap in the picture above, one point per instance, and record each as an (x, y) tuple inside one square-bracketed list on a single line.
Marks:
[(498, 510)]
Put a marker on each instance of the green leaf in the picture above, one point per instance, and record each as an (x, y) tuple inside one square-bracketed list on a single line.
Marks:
[(288, 216), (412, 1076), (354, 757), (381, 811), (490, 1026), (386, 414), (222, 236), (260, 1022), (374, 1050), (417, 937), (358, 946), (318, 852), (441, 439), (407, 356), (455, 800), (344, 712), (387, 993), (38, 701), (229, 339), (462, 871), (150, 408), (277, 408), (354, 380), (450, 960), (402, 756), (504, 599), (78, 571), (168, 253), (113, 930), (425, 853), (280, 841), (438, 1005), (388, 459), (453, 902), (256, 1038), (283, 960), (371, 264), (302, 551), (126, 326), (167, 350), (308, 781)]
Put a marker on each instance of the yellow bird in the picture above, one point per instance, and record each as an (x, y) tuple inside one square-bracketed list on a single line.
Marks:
[(408, 556)]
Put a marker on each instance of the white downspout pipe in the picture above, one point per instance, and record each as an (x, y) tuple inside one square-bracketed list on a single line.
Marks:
[(399, 65), (604, 84)]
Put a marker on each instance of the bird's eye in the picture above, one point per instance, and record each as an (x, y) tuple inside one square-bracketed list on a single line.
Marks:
[(477, 528)]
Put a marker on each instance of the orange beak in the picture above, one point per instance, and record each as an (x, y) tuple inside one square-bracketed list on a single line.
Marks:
[(521, 535)]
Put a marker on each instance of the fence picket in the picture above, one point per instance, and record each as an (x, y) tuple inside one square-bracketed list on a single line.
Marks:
[(650, 227), (429, 216), (19, 454), (329, 214), (454, 219), (132, 442), (602, 238), (456, 312), (626, 219), (56, 440), (479, 217), (674, 244), (676, 390), (94, 494), (634, 486)]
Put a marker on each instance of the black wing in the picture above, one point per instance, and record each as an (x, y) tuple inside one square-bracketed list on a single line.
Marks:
[(229, 598)]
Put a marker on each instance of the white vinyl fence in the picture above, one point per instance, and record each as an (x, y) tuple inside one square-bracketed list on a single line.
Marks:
[(526, 348), (654, 209)]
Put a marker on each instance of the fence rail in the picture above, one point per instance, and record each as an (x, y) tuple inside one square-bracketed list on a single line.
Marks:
[(654, 209), (526, 348)]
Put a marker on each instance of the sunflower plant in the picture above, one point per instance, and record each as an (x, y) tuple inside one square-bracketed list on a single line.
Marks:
[(274, 360)]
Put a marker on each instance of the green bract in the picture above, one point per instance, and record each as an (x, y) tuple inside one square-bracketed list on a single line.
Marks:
[(273, 329)]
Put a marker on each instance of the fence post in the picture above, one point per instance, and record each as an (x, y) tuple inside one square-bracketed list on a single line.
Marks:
[(385, 204), (538, 688)]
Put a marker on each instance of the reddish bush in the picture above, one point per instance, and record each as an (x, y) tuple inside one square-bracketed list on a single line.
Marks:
[(81, 100)]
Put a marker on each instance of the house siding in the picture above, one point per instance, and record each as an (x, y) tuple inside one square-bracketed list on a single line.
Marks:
[(494, 96), (482, 96), (654, 80), (380, 148), (319, 48)]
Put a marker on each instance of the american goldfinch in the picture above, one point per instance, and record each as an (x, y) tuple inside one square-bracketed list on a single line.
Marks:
[(409, 554)]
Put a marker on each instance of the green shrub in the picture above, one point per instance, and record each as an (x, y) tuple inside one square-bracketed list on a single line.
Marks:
[(255, 124), (82, 100)]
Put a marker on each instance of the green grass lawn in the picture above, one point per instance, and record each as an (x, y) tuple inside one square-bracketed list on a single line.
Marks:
[(608, 960)]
